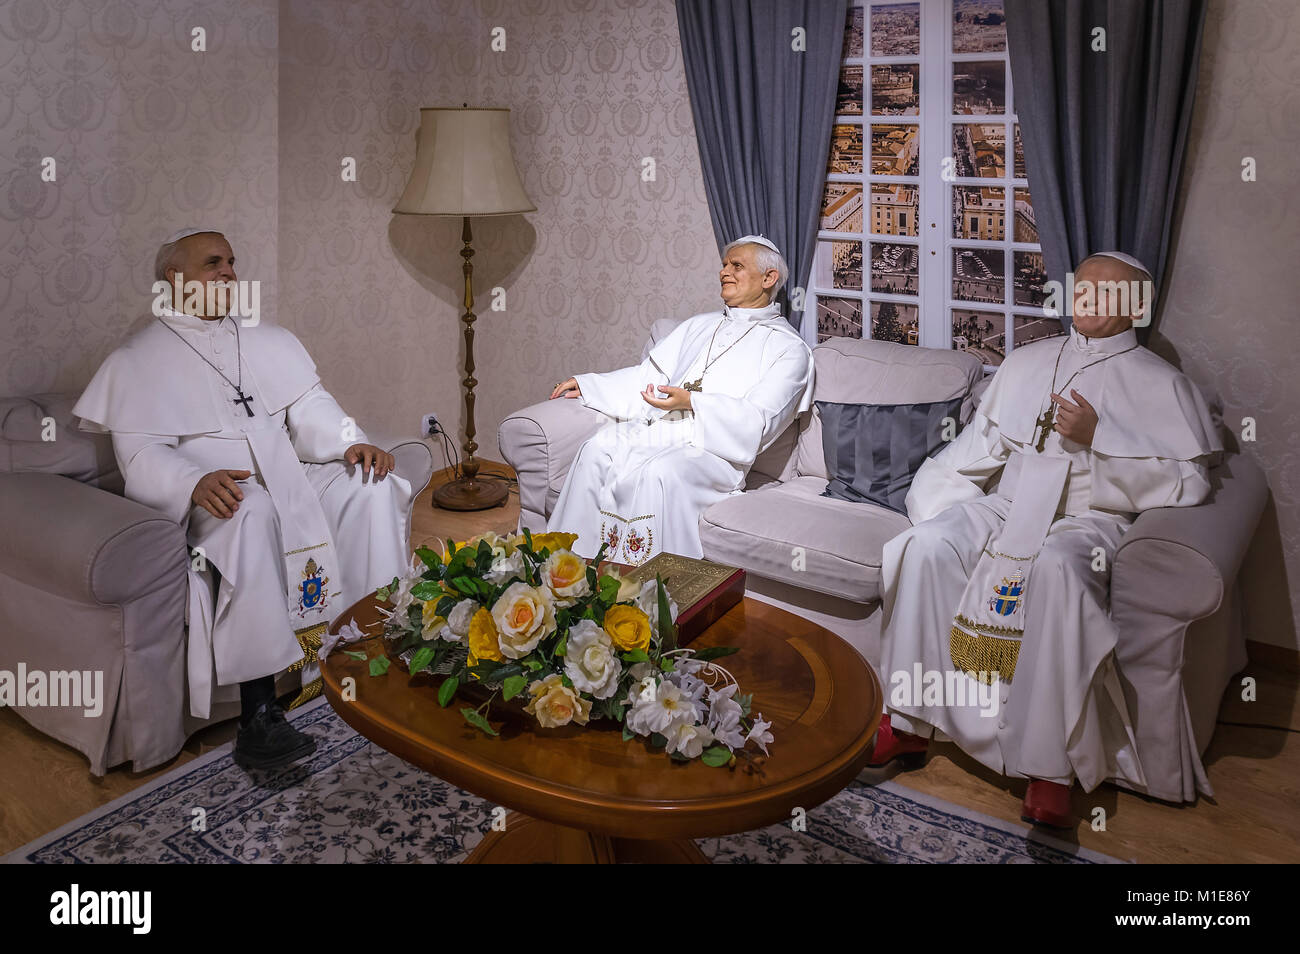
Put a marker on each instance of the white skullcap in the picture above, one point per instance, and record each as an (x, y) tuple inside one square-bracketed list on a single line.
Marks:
[(186, 233), (1122, 257), (755, 240)]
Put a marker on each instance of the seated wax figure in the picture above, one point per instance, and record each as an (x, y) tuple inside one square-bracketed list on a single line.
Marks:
[(688, 421), (222, 424), (1001, 586)]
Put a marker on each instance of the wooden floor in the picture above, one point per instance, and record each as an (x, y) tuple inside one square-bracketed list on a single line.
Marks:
[(1255, 769)]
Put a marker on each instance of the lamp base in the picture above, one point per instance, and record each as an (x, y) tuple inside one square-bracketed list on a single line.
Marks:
[(470, 494)]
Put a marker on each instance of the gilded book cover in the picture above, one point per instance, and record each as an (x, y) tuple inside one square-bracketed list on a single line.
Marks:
[(702, 589)]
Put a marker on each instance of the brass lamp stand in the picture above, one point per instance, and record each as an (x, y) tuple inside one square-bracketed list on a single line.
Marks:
[(464, 167)]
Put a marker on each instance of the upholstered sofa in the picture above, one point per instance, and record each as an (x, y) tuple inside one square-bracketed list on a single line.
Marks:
[(90, 580), (1173, 594)]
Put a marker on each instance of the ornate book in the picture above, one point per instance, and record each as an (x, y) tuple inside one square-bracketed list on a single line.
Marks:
[(702, 590)]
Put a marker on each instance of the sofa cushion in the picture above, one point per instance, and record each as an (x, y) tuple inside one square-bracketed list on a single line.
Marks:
[(760, 530), (854, 371), (81, 455), (874, 450)]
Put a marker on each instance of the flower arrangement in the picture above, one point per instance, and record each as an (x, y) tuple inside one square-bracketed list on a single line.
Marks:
[(524, 614)]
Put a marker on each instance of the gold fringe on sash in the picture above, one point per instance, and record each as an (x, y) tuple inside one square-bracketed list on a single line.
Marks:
[(984, 651), (310, 641)]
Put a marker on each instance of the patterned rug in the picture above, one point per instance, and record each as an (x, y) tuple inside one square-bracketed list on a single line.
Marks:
[(354, 802)]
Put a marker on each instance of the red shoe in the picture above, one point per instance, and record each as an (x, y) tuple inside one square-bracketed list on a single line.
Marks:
[(907, 748), (1048, 803)]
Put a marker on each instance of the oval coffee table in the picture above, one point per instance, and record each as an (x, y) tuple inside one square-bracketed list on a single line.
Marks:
[(585, 795)]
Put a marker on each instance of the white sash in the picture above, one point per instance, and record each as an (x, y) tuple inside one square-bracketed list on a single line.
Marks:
[(989, 625)]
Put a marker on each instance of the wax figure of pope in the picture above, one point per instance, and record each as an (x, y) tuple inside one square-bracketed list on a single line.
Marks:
[(687, 422), (1001, 586), (222, 423)]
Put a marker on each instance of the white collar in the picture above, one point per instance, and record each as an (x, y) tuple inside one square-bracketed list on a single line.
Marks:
[(763, 313), (1112, 345), (193, 322)]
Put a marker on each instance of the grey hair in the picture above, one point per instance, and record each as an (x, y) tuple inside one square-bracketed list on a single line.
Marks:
[(765, 258), (165, 259)]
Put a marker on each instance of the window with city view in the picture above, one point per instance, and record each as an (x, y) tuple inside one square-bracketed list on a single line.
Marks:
[(927, 232)]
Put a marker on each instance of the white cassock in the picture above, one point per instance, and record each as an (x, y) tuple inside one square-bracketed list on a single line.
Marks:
[(642, 481), (312, 535), (967, 583)]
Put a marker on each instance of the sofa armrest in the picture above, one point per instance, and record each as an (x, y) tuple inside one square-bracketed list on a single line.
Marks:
[(414, 458), (1177, 561), (66, 537), (540, 443)]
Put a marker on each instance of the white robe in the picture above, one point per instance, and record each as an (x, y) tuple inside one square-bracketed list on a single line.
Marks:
[(1063, 715), (173, 419), (642, 481)]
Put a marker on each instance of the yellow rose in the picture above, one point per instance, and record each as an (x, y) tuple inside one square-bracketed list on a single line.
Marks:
[(553, 541), (555, 704), (628, 627), (429, 622), (483, 642), (566, 574)]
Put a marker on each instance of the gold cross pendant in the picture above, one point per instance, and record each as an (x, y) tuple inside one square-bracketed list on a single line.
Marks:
[(696, 385), (1045, 424)]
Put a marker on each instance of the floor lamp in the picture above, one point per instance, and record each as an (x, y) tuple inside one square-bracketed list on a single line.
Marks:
[(464, 166)]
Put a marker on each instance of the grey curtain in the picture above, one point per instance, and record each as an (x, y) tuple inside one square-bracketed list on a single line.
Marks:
[(763, 114), (1104, 132)]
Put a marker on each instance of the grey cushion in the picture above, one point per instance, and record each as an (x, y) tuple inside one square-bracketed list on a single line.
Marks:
[(874, 450), (82, 455)]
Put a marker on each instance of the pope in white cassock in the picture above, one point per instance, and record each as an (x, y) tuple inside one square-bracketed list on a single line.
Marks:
[(687, 422), (1002, 583), (222, 423)]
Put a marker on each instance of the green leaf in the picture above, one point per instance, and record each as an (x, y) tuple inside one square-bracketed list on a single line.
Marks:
[(445, 606), (420, 661), (562, 647), (528, 537), (513, 686), (383, 592), (658, 741), (428, 557), (447, 691), (667, 631), (666, 663), (716, 755), (465, 585), (425, 590), (379, 665), (715, 652), (608, 588), (359, 656), (532, 665), (566, 681), (635, 656), (628, 733), (473, 717), (600, 554)]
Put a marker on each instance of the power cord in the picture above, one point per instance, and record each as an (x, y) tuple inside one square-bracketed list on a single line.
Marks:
[(449, 451)]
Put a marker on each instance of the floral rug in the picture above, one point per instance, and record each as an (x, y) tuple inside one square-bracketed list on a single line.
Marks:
[(354, 802)]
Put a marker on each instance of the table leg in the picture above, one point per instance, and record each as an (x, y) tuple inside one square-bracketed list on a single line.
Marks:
[(530, 841)]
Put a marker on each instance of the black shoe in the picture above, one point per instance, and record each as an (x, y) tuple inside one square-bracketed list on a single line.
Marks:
[(268, 741)]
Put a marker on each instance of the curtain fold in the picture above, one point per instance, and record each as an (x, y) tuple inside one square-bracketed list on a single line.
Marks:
[(1104, 132), (763, 112)]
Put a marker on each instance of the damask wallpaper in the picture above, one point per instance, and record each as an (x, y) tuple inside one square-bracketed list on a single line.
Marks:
[(250, 134), (1232, 292)]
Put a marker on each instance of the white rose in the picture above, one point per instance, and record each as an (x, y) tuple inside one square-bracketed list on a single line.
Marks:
[(590, 660), (524, 616), (504, 567), (457, 625)]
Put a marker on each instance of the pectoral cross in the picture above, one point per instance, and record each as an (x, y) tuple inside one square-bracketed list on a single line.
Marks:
[(1045, 424), (244, 400), (696, 385)]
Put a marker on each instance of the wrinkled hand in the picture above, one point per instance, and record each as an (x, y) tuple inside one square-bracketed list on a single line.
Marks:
[(371, 458), (218, 493), (567, 388), (678, 399), (1078, 422)]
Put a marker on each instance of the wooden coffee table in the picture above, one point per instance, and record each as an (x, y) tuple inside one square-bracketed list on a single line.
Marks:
[(584, 795)]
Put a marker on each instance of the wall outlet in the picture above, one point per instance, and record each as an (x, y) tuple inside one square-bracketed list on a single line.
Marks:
[(429, 425)]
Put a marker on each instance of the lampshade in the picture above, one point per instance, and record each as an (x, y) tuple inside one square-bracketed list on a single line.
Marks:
[(463, 165)]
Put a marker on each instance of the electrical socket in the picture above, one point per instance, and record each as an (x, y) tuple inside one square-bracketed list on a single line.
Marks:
[(429, 425)]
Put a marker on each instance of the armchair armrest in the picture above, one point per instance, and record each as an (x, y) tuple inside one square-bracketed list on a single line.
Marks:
[(1176, 561), (540, 443), (67, 537)]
